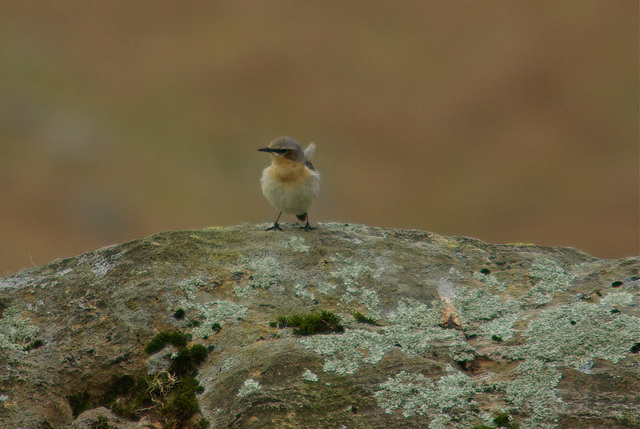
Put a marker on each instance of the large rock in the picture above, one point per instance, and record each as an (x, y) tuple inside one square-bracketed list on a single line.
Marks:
[(468, 333)]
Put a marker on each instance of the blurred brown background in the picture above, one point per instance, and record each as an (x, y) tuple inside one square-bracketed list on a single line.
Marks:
[(507, 121)]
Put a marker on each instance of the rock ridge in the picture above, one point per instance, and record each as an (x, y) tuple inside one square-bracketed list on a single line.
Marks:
[(435, 331)]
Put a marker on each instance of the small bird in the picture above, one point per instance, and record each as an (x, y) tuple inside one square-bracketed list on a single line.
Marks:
[(290, 183)]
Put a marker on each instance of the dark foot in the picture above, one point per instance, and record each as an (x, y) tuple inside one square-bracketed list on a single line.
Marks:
[(275, 227), (308, 227)]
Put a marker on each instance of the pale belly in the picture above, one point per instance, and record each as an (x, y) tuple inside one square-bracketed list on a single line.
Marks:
[(295, 196)]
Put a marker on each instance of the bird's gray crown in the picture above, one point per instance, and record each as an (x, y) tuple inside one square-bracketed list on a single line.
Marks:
[(287, 146)]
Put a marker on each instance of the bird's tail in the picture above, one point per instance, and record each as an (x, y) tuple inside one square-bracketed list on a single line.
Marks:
[(302, 217), (309, 151)]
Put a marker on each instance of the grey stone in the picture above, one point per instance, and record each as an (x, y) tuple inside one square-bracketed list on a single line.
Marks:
[(464, 331)]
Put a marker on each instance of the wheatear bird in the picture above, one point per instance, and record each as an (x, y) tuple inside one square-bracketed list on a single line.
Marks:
[(290, 183)]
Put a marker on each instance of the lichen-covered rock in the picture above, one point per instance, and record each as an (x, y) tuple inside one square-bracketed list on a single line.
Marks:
[(435, 332)]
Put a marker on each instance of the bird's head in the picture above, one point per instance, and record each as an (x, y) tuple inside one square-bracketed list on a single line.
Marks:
[(287, 147)]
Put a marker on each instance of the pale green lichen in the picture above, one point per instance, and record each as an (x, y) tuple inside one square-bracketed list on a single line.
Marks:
[(228, 364), (413, 313), (454, 272), (304, 292), (419, 340), (573, 334), (191, 287), (490, 280), (17, 281), (16, 332), (350, 273), (415, 327), (461, 351), (442, 400), (371, 301), (486, 418), (266, 272), (100, 266), (310, 376), (501, 328), (98, 263), (248, 387), (325, 287), (474, 305), (538, 297), (617, 299), (552, 278), (346, 352), (211, 313), (350, 295), (577, 332), (297, 244), (534, 393), (243, 291), (368, 297)]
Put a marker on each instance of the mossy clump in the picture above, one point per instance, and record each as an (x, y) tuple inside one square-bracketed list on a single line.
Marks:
[(170, 393), (501, 420), (203, 424), (182, 404), (119, 386), (34, 345), (361, 318), (187, 360), (180, 395), (80, 402), (309, 324), (126, 396), (158, 342), (179, 314)]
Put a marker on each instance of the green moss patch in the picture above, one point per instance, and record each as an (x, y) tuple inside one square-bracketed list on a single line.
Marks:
[(159, 341), (80, 402), (187, 360), (309, 324), (361, 318), (169, 395)]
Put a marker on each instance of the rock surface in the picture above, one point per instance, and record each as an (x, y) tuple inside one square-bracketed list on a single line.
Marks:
[(466, 334)]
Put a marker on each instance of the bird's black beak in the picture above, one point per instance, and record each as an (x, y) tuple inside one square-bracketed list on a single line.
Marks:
[(274, 151)]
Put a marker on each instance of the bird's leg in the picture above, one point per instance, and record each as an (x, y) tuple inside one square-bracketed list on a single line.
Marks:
[(275, 226), (308, 227)]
